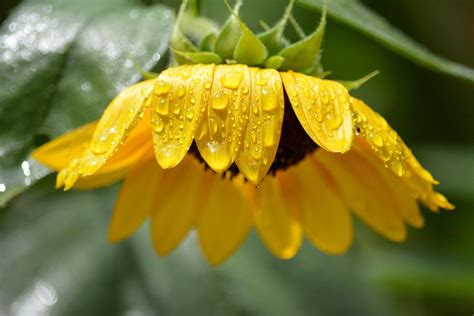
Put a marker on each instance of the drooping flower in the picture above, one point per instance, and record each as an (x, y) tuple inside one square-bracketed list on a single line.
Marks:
[(243, 134)]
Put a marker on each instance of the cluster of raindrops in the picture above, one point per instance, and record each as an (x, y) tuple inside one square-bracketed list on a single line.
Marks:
[(181, 97), (36, 30), (381, 137), (13, 179), (323, 109), (263, 131), (221, 130)]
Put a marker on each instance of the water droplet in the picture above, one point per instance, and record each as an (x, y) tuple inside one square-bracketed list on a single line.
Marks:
[(255, 108), (269, 100), (207, 85), (213, 125), (333, 122), (232, 79), (396, 167), (134, 14), (86, 86), (269, 133), (3, 187), (190, 114), (181, 91), (162, 107), (158, 126), (220, 101), (245, 90), (377, 140), (162, 88)]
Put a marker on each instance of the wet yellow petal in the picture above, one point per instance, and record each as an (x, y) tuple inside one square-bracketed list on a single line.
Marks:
[(277, 226), (220, 134), (363, 192), (323, 109), (58, 153), (223, 223), (118, 166), (133, 149), (326, 219), (136, 200), (175, 205), (182, 98), (406, 205), (396, 156), (120, 117), (262, 135)]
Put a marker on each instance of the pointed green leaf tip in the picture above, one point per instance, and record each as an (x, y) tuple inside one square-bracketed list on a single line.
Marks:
[(249, 49), (356, 84), (272, 38), (303, 55), (229, 34), (179, 41)]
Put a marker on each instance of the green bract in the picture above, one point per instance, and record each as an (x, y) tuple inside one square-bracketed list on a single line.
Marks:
[(235, 42)]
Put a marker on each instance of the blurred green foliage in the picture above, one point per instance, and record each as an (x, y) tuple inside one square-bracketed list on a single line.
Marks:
[(54, 257)]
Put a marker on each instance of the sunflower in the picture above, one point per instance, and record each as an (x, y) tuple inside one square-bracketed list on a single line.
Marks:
[(244, 132)]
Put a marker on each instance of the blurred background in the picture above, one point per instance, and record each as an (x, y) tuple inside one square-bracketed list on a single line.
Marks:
[(54, 258)]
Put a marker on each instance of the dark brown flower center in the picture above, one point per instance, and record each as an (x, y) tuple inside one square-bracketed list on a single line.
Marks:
[(294, 146)]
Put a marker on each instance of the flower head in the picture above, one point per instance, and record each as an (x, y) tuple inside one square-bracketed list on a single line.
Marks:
[(225, 146)]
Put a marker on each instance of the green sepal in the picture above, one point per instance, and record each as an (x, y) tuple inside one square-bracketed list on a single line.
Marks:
[(199, 57), (304, 54), (179, 42), (208, 42), (249, 49), (272, 38), (356, 84), (229, 34), (274, 62)]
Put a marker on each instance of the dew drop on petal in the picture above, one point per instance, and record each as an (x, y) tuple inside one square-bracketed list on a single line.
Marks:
[(232, 79), (220, 101), (162, 88)]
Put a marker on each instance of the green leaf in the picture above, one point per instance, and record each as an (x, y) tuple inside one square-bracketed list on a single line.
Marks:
[(303, 56), (359, 17), (61, 62), (229, 34)]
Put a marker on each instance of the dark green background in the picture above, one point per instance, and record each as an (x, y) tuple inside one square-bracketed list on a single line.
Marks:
[(53, 254)]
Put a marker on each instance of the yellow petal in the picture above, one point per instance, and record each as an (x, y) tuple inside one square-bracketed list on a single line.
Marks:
[(58, 153), (183, 96), (176, 205), (136, 200), (276, 224), (323, 109), (262, 135), (117, 167), (396, 156), (135, 148), (118, 120), (406, 205), (326, 219), (363, 192), (220, 134), (223, 223)]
